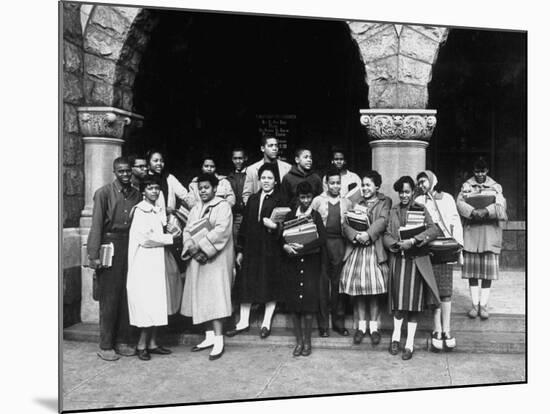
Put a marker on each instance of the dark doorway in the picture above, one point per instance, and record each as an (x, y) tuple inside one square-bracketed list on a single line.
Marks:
[(479, 88), (206, 77)]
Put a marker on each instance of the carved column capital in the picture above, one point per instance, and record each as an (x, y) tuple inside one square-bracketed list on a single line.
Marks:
[(102, 121), (400, 124)]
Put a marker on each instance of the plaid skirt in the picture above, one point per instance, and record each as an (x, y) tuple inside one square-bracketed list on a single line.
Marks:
[(444, 278), (407, 286), (480, 266), (362, 274)]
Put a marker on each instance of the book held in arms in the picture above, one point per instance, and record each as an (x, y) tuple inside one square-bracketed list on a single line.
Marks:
[(414, 225), (199, 229), (480, 200), (301, 230), (279, 213), (357, 220), (182, 213), (354, 195), (106, 253)]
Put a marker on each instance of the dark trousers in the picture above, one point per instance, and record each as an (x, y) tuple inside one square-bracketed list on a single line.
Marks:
[(331, 302), (114, 325)]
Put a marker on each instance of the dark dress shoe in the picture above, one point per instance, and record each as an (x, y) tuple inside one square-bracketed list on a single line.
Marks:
[(217, 356), (159, 350), (234, 332), (407, 354), (394, 347), (375, 337), (298, 350), (306, 351), (358, 337), (323, 333), (201, 348), (341, 331), (265, 332), (143, 354)]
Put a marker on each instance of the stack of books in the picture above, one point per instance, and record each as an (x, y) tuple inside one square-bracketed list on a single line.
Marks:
[(279, 213), (357, 220), (480, 200), (106, 253), (414, 225), (182, 214), (301, 230), (199, 229)]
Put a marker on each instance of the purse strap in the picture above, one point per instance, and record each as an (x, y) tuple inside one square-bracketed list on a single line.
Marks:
[(440, 215)]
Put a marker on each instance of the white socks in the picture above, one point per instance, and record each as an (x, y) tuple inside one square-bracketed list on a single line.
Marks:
[(373, 326), (396, 335), (208, 340), (218, 345), (245, 316), (474, 292), (363, 326), (484, 299), (437, 319), (446, 317), (411, 330), (269, 310)]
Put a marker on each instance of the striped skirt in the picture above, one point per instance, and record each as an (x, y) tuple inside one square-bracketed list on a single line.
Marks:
[(407, 286), (480, 266), (362, 274)]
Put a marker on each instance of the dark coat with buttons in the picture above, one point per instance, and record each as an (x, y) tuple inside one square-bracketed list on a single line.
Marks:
[(302, 274)]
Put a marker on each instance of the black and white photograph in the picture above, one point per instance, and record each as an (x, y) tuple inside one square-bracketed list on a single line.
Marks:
[(266, 207), (263, 206)]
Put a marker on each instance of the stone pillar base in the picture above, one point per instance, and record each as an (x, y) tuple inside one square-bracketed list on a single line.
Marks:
[(393, 158)]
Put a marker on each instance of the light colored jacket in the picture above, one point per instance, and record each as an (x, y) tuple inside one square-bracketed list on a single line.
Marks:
[(252, 181), (482, 237), (321, 203), (175, 190), (224, 191)]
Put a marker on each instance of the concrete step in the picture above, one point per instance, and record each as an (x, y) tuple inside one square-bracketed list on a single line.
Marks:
[(480, 341)]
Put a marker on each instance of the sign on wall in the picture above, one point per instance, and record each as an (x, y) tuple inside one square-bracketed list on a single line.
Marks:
[(282, 127)]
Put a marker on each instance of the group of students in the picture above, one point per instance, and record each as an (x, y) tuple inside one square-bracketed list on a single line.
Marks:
[(244, 259)]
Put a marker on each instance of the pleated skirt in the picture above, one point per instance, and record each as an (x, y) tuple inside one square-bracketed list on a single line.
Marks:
[(480, 266), (362, 274)]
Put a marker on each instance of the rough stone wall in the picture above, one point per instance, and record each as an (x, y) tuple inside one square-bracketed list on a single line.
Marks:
[(398, 62), (73, 96)]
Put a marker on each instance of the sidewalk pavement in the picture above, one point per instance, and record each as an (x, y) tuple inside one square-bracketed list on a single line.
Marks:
[(255, 372)]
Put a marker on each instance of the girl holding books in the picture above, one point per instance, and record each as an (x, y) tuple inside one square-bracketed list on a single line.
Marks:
[(304, 268), (482, 206), (365, 272), (146, 283), (209, 273), (259, 254), (412, 284), (442, 209), (225, 191)]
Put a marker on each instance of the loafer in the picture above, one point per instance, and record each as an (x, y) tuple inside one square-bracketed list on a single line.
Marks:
[(265, 332), (306, 351), (407, 354), (217, 356), (143, 354), (125, 350), (449, 342), (394, 347), (197, 348), (358, 337), (437, 342), (473, 312), (107, 355), (483, 313), (234, 332), (375, 337), (159, 350), (341, 331), (323, 333), (298, 350)]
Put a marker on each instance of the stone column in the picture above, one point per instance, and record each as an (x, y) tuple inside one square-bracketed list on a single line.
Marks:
[(398, 140), (102, 129)]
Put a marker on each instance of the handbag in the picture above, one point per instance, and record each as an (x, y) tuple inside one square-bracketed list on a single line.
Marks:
[(444, 249)]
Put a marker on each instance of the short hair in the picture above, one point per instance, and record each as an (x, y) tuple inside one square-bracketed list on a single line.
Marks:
[(207, 157), (481, 164), (336, 149), (266, 137), (406, 179), (239, 149), (121, 160), (149, 179), (304, 188), (149, 154), (133, 157), (300, 150), (211, 178), (267, 167), (332, 171), (374, 176)]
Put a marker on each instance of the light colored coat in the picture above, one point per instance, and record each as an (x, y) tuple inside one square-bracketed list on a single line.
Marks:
[(252, 181), (484, 236), (224, 191), (207, 290), (175, 190), (321, 202), (146, 284)]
